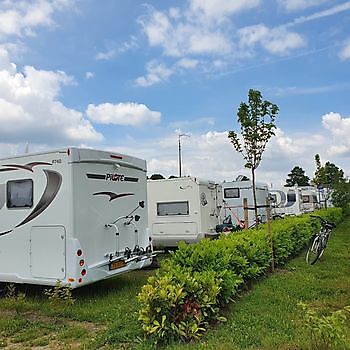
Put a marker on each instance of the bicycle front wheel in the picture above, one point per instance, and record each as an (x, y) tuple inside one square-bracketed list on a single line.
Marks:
[(314, 251)]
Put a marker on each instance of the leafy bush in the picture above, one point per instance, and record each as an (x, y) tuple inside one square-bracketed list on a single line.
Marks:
[(187, 294), (327, 332), (60, 295), (179, 304)]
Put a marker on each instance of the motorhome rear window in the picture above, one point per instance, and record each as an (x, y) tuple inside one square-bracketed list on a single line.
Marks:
[(172, 208), (273, 197), (306, 199), (20, 194), (231, 192), (291, 197)]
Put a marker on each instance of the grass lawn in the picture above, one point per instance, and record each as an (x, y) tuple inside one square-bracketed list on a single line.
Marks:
[(266, 315)]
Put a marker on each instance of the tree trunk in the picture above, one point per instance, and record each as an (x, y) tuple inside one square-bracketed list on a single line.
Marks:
[(254, 197)]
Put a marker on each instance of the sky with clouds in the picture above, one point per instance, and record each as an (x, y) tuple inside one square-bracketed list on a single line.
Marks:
[(129, 76)]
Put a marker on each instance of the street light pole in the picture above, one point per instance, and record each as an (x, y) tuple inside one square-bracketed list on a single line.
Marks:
[(180, 160)]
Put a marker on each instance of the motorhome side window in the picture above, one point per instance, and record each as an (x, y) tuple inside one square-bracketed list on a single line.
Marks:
[(231, 192), (306, 199), (291, 197), (173, 208), (20, 194), (273, 197)]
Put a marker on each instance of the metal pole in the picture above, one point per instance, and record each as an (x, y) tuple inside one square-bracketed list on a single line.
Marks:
[(180, 155)]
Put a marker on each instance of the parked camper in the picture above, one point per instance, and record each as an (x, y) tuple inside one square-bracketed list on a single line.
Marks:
[(309, 199), (286, 201), (183, 209), (235, 192), (324, 195), (74, 215)]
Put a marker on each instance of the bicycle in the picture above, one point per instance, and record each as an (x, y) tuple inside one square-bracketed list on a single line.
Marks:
[(319, 241)]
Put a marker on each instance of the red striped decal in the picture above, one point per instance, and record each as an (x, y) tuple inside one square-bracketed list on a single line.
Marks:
[(116, 157)]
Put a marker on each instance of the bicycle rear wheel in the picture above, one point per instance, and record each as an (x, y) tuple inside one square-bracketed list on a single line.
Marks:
[(315, 250)]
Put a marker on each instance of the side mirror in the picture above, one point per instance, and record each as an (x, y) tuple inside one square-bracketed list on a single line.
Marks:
[(137, 217), (142, 204)]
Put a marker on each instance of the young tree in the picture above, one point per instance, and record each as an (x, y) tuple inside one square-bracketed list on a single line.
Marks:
[(257, 124), (341, 195), (297, 177), (329, 176)]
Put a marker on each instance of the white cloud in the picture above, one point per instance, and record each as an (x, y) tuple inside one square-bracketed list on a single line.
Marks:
[(274, 40), (336, 124), (187, 63), (219, 9), (295, 5), (296, 90), (345, 52), (321, 14), (22, 17), (133, 114), (339, 128), (156, 73), (30, 109), (185, 35), (212, 156), (89, 75), (115, 50)]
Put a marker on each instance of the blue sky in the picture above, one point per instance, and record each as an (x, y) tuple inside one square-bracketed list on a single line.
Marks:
[(130, 76)]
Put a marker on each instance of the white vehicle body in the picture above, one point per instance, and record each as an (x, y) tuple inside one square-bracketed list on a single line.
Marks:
[(182, 209), (286, 201), (309, 199), (324, 196), (234, 193), (73, 215)]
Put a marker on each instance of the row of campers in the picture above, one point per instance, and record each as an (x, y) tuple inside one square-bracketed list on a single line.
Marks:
[(82, 215)]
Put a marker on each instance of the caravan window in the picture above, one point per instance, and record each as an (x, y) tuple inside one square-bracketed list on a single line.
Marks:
[(306, 199), (291, 197), (20, 194), (273, 197), (231, 192), (172, 208)]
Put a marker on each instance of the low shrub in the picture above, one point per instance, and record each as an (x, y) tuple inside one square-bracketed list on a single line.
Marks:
[(326, 331), (187, 294)]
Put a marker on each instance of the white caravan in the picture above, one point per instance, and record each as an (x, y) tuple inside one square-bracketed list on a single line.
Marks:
[(73, 215), (182, 209), (234, 194), (309, 199), (286, 201)]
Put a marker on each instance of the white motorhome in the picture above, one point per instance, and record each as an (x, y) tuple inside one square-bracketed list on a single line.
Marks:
[(73, 215), (182, 209), (309, 199), (286, 201), (234, 194)]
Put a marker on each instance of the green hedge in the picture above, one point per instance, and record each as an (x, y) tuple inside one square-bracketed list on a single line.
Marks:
[(188, 292)]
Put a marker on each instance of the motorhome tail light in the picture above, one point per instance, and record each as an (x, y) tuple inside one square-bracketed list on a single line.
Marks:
[(79, 252), (116, 157), (80, 280), (71, 280), (81, 262), (83, 272)]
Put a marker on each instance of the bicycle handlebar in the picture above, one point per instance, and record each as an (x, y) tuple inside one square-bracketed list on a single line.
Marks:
[(323, 221)]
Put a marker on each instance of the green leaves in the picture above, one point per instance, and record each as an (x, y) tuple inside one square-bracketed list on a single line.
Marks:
[(327, 332), (187, 295), (257, 125), (297, 177)]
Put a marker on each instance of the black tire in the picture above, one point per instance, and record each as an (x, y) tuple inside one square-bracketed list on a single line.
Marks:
[(315, 250)]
